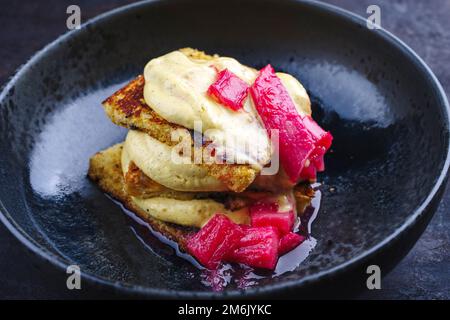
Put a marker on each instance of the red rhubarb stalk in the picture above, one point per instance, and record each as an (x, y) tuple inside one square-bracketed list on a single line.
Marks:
[(302, 142), (219, 236), (290, 241), (229, 90)]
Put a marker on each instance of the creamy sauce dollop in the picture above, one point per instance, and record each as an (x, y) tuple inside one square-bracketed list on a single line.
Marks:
[(176, 86), (190, 213), (154, 158)]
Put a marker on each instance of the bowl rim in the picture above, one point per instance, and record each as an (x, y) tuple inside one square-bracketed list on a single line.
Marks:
[(131, 289)]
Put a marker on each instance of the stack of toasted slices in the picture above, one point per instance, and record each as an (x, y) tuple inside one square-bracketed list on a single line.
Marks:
[(176, 198)]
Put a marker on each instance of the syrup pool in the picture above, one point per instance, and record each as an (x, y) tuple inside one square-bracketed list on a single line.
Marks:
[(240, 275)]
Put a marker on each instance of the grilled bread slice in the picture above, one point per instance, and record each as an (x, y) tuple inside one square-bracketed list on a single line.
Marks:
[(106, 171), (127, 108)]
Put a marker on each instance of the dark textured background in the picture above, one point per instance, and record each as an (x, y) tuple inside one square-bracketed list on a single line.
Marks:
[(27, 25)]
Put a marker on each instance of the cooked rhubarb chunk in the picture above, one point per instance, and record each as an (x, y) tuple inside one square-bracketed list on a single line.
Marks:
[(309, 172), (323, 138), (258, 248), (278, 112), (266, 212), (317, 159), (229, 90), (264, 206), (323, 142), (282, 221), (218, 237), (290, 241)]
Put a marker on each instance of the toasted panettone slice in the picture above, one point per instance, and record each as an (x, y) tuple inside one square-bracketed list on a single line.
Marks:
[(106, 171), (127, 108)]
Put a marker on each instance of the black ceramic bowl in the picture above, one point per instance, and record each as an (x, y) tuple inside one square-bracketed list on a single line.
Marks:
[(384, 178)]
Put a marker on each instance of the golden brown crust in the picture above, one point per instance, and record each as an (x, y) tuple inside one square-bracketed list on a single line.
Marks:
[(127, 108), (137, 184)]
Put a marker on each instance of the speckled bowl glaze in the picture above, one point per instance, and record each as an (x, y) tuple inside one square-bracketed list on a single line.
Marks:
[(384, 178)]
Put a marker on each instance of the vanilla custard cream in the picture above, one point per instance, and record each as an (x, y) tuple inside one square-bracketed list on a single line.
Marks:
[(154, 158)]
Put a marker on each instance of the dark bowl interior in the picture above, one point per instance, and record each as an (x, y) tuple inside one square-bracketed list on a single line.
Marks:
[(385, 110)]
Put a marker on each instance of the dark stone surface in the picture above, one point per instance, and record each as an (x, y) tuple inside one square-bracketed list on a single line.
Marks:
[(424, 274)]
